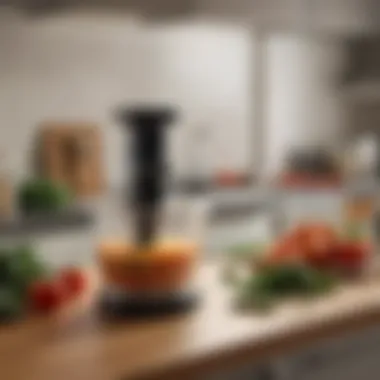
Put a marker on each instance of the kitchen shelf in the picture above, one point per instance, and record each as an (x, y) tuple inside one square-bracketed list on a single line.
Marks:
[(47, 223), (229, 211), (193, 186)]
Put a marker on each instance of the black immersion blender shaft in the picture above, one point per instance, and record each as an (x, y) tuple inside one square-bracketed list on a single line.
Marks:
[(149, 167)]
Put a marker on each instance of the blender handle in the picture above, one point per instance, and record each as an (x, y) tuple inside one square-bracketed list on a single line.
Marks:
[(149, 167)]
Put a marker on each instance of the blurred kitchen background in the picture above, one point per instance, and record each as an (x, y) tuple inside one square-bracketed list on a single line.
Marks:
[(279, 99)]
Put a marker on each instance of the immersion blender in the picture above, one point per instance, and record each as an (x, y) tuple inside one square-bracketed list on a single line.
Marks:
[(147, 277)]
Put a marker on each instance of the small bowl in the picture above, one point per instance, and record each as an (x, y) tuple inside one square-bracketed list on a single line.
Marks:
[(165, 266)]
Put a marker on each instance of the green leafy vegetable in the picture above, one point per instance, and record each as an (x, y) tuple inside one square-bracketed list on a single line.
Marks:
[(41, 195), (277, 282), (24, 268), (251, 296), (19, 268)]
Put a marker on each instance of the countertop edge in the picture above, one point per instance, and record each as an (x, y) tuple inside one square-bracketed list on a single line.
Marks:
[(256, 352)]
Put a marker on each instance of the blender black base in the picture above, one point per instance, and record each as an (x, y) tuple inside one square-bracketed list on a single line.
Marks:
[(121, 305)]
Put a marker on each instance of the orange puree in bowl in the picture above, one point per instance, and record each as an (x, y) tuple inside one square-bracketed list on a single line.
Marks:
[(163, 266)]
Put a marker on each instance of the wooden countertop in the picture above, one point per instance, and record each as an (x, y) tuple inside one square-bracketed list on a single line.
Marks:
[(77, 345)]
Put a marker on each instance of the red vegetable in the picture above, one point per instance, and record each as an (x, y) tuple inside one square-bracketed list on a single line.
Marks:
[(345, 258), (350, 253), (316, 240), (74, 281), (287, 248), (46, 296)]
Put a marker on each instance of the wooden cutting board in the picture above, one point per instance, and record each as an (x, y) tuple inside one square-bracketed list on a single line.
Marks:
[(72, 153)]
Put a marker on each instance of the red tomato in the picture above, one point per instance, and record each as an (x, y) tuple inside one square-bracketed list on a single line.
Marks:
[(73, 281), (310, 242), (351, 253), (321, 262), (46, 296), (316, 240), (349, 258), (285, 250)]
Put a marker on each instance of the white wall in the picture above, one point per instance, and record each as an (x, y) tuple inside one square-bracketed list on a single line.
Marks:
[(207, 70), (80, 66), (304, 106)]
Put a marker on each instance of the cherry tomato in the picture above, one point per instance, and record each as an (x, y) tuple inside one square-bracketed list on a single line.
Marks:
[(73, 281), (46, 296)]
